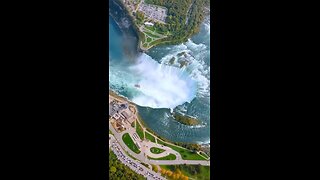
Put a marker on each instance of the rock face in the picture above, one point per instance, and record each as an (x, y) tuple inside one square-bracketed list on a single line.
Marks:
[(187, 120), (121, 17)]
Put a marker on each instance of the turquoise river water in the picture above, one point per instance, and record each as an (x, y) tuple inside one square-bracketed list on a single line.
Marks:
[(164, 86)]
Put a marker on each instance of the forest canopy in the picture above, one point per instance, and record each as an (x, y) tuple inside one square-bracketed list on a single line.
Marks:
[(183, 18)]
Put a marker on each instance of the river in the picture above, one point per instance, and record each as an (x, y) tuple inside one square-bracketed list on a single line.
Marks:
[(164, 86)]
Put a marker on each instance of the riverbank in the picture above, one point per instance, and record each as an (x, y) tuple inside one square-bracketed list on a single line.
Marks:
[(125, 23), (170, 32), (192, 147), (159, 119)]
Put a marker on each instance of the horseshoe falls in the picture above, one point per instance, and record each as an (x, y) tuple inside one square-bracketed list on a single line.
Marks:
[(158, 84)]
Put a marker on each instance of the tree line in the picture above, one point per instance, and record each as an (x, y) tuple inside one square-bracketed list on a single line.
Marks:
[(177, 13), (119, 171)]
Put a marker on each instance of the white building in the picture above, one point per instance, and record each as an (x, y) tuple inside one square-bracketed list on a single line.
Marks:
[(148, 23)]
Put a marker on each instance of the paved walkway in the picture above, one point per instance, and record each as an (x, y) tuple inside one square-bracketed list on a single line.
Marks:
[(146, 145), (167, 151), (131, 163)]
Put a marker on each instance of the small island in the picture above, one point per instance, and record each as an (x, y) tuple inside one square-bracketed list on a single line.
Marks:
[(165, 22), (187, 120)]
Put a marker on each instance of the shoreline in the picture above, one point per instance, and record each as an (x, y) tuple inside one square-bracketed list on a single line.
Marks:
[(180, 144), (127, 14), (124, 12), (140, 47), (128, 29)]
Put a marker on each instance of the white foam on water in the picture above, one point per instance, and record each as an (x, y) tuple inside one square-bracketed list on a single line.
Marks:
[(207, 26), (198, 126), (161, 86), (207, 142), (198, 69)]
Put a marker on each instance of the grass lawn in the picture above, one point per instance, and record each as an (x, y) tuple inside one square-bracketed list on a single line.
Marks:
[(149, 39), (145, 45), (150, 137), (129, 142), (169, 157), (151, 35), (159, 31), (156, 42), (139, 131), (151, 28), (186, 154), (156, 150), (160, 142)]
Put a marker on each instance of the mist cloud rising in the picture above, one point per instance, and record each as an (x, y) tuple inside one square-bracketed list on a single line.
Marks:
[(161, 86)]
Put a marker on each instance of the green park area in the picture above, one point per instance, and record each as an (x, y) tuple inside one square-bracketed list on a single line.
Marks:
[(139, 131), (161, 142), (149, 39), (150, 137), (185, 153), (151, 28), (156, 150), (184, 18), (129, 142), (151, 35), (169, 157)]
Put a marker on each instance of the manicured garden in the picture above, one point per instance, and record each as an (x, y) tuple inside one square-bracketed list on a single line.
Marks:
[(151, 35), (149, 39), (185, 153), (129, 142), (139, 131), (161, 142), (169, 157), (151, 28), (150, 137), (156, 150)]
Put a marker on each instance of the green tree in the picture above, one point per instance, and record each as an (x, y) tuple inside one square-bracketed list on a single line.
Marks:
[(113, 169)]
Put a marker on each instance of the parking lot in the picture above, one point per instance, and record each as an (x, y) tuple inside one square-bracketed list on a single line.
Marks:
[(133, 164), (155, 12)]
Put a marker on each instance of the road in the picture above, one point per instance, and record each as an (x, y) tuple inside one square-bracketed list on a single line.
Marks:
[(146, 145), (142, 157), (131, 163)]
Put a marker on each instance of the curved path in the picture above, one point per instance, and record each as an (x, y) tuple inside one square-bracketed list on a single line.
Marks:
[(142, 156), (146, 145), (131, 163)]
